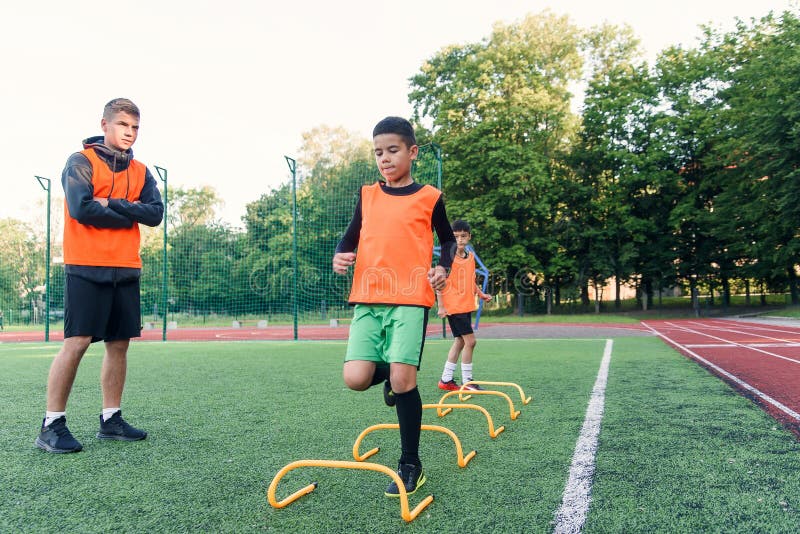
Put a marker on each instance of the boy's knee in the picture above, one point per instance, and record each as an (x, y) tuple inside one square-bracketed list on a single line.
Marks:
[(358, 374), (75, 347), (357, 378), (403, 378), (356, 383), (403, 385)]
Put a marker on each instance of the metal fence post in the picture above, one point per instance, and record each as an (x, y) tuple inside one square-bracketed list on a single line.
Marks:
[(42, 181), (162, 173), (293, 169)]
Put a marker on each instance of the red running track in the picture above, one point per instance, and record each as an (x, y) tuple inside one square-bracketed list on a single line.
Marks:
[(272, 333), (760, 360), (205, 334), (325, 332)]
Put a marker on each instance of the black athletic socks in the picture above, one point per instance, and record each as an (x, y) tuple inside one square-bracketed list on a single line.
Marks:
[(409, 416)]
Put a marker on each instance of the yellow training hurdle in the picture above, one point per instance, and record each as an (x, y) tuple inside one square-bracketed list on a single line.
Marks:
[(404, 511), (462, 460), (462, 395), (525, 400), (444, 409)]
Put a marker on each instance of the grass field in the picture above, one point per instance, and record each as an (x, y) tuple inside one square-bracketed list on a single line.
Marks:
[(679, 451), (791, 311)]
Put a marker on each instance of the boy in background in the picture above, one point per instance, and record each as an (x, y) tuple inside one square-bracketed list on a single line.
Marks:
[(457, 302), (389, 241)]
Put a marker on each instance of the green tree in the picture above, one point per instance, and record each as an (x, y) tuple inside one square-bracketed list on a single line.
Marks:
[(328, 147), (202, 262), (333, 164), (620, 168), (500, 109), (192, 207), (202, 256), (21, 268), (689, 80), (152, 279), (761, 146)]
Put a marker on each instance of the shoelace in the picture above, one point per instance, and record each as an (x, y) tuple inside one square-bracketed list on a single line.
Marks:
[(60, 430), (124, 424), (120, 422), (116, 421), (407, 477)]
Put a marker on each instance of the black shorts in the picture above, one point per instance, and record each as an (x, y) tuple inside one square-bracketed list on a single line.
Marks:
[(109, 312), (460, 324)]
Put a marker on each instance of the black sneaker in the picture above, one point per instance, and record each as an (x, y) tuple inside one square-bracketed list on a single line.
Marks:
[(412, 476), (57, 438), (117, 428), (388, 395), (474, 387)]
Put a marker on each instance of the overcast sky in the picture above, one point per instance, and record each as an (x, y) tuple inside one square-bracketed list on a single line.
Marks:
[(227, 88)]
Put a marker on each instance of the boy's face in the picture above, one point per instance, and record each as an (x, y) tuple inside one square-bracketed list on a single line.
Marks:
[(394, 159), (462, 239), (120, 131)]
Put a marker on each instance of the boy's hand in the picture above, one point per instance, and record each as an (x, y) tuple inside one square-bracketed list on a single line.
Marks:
[(486, 297), (343, 260), (442, 313), (437, 277), (103, 201)]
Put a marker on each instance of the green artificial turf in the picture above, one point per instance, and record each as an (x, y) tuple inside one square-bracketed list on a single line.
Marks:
[(680, 451), (224, 418)]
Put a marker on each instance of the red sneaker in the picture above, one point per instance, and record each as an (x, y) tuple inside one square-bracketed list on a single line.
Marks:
[(449, 386)]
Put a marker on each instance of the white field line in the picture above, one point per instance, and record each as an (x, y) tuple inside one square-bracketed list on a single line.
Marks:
[(775, 345), (746, 331), (685, 329), (17, 346), (759, 345), (523, 340), (763, 327), (577, 496), (735, 379)]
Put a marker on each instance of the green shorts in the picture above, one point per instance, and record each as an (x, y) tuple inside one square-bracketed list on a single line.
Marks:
[(387, 334)]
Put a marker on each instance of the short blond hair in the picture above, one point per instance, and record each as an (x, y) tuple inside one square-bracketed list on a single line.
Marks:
[(120, 105)]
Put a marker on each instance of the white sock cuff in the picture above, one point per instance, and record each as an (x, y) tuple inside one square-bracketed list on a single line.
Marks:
[(449, 369), (466, 372), (49, 417), (108, 412)]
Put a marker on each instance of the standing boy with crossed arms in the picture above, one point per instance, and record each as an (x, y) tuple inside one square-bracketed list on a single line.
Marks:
[(457, 302), (390, 242), (107, 194)]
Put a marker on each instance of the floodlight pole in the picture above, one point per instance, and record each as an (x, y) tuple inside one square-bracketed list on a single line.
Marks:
[(293, 169), (162, 173), (42, 181)]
